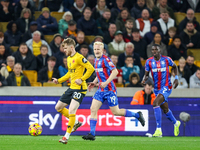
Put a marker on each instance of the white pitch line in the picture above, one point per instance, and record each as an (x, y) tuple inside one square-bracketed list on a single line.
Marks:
[(44, 102)]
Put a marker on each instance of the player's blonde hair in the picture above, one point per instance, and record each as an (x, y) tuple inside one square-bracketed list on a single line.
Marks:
[(69, 41), (99, 43)]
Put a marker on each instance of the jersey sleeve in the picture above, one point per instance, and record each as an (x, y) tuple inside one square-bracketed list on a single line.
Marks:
[(64, 78), (147, 68), (109, 64), (170, 61), (86, 64)]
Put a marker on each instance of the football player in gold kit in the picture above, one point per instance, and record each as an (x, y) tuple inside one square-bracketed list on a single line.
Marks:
[(74, 95)]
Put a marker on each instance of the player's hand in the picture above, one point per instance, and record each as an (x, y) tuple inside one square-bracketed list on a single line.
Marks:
[(175, 84), (55, 80), (103, 84), (78, 81), (91, 86)]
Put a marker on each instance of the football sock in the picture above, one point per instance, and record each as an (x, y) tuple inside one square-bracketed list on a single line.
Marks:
[(170, 116), (157, 113), (93, 123), (71, 122), (131, 114), (65, 112)]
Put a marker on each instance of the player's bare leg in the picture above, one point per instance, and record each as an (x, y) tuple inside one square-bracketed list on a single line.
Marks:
[(126, 113), (72, 117), (93, 119)]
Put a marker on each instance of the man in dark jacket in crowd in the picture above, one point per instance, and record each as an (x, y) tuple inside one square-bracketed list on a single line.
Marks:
[(109, 35), (55, 43), (77, 9), (3, 81), (6, 11)]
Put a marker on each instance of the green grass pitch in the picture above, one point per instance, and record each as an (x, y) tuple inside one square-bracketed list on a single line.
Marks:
[(20, 142)]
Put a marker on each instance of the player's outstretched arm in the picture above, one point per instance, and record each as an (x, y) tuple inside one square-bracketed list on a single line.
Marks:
[(92, 84), (175, 84), (111, 77), (146, 76)]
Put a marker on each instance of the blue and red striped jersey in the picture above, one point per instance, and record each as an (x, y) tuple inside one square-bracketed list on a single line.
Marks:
[(160, 71), (103, 69)]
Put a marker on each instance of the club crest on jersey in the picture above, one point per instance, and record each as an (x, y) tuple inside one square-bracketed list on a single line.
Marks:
[(84, 60)]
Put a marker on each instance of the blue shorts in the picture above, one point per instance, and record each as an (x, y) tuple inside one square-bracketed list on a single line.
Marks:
[(165, 91), (110, 96)]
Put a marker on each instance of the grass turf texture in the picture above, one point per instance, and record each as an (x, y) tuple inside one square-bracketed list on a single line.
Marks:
[(15, 142)]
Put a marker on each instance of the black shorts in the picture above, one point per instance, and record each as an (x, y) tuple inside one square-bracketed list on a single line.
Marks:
[(72, 94)]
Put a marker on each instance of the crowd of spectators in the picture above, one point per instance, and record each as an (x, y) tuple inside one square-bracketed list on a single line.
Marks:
[(128, 29)]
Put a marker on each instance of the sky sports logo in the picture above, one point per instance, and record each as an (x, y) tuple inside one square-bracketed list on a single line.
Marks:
[(107, 122)]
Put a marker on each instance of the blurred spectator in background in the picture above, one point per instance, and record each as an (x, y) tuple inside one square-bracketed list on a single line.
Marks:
[(190, 64), (145, 96), (2, 42), (42, 58), (162, 4), (140, 45), (127, 33), (3, 55), (47, 73), (3, 81), (168, 40), (109, 35), (182, 83), (177, 49), (7, 69), (117, 9), (150, 4), (56, 43), (53, 5), (118, 78), (184, 70), (24, 20), (91, 59), (97, 39), (148, 37), (63, 69), (134, 80), (128, 68), (46, 23), (157, 40), (84, 51), (136, 11), (165, 22), (29, 34), (117, 46), (190, 36), (13, 36), (190, 16), (77, 9), (59, 57), (86, 23), (17, 78), (194, 4), (144, 23), (177, 5), (67, 4), (121, 19), (98, 10), (71, 31), (25, 57), (80, 40), (20, 6), (63, 23), (129, 50), (35, 43), (195, 79), (103, 22), (6, 11)]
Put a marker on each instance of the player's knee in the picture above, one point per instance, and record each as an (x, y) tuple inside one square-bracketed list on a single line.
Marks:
[(57, 108), (165, 110), (155, 104), (93, 110)]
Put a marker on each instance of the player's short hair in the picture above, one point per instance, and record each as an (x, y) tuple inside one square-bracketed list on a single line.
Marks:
[(69, 41), (99, 43), (43, 45), (156, 45), (10, 58), (52, 58), (173, 29)]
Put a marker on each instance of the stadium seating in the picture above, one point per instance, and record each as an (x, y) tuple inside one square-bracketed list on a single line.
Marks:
[(57, 15), (36, 84), (48, 38), (176, 62), (45, 84), (3, 26), (37, 14), (31, 75), (179, 17), (89, 39), (14, 48), (197, 63), (119, 85), (197, 15), (195, 53)]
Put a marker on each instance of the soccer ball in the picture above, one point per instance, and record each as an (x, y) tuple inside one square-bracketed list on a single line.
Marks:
[(35, 129)]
